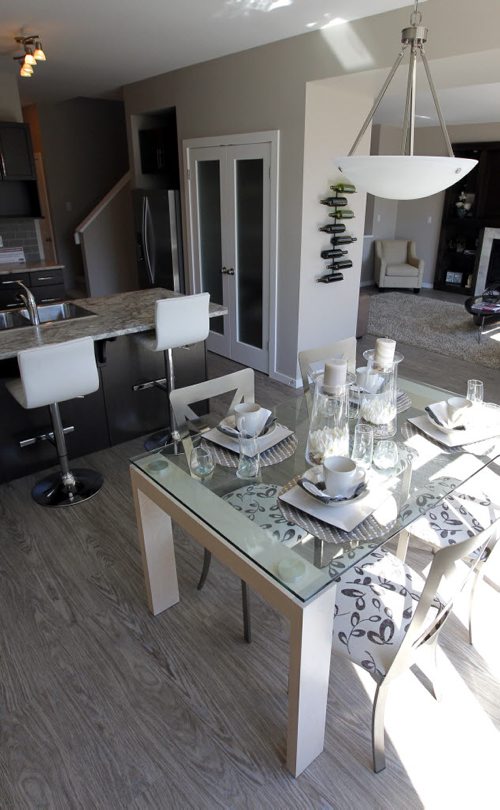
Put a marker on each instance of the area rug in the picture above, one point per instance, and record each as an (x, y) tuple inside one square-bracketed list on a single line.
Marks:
[(440, 326)]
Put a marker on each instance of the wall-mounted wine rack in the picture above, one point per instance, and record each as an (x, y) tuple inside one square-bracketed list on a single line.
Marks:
[(338, 202)]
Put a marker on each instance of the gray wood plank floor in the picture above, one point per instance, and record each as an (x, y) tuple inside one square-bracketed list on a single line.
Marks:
[(104, 706)]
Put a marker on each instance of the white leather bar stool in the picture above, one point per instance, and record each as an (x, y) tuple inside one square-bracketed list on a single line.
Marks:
[(179, 321), (49, 375)]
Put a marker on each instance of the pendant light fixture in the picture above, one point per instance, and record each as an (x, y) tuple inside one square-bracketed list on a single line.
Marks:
[(33, 53), (406, 176)]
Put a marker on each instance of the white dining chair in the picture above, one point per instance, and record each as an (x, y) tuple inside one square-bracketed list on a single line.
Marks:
[(386, 613), (340, 349)]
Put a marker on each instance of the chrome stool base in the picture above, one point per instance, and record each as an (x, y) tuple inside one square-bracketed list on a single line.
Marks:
[(66, 489)]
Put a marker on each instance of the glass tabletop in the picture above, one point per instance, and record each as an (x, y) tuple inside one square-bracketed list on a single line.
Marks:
[(303, 559)]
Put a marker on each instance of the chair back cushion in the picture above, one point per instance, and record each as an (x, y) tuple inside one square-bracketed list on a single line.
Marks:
[(58, 372), (181, 321), (394, 251)]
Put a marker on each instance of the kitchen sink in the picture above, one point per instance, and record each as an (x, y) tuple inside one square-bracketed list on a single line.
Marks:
[(11, 320), (48, 313), (65, 311)]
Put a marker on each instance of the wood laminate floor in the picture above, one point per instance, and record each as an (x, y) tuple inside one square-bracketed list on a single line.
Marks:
[(103, 706)]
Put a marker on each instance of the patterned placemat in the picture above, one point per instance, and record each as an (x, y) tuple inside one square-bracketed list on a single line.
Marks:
[(369, 529), (279, 452), (403, 401)]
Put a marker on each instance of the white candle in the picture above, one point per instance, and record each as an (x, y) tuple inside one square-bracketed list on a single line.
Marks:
[(384, 352), (335, 374)]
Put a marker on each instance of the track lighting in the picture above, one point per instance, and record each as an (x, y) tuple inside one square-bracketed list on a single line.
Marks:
[(33, 53)]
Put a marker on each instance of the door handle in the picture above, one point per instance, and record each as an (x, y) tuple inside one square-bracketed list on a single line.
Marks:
[(227, 271)]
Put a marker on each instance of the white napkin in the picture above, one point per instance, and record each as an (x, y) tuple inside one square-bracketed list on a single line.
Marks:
[(343, 517), (274, 436), (484, 425), (463, 416)]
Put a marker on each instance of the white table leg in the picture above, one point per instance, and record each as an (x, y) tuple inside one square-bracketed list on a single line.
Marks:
[(310, 652), (157, 550)]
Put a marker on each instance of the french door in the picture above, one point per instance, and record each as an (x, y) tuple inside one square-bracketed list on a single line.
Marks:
[(229, 209)]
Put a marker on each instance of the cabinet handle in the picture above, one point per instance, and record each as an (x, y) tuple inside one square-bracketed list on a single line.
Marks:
[(48, 300), (44, 278), (9, 282), (2, 159)]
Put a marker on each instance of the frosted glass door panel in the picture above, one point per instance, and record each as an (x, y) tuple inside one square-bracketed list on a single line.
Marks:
[(249, 246), (209, 218)]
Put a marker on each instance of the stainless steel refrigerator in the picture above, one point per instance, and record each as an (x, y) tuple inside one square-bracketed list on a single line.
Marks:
[(159, 239)]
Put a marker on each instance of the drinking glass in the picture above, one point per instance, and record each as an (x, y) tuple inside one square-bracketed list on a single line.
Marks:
[(201, 461), (386, 455), (362, 448), (249, 461), (475, 390)]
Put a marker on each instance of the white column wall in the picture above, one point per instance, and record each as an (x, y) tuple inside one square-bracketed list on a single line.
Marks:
[(328, 312)]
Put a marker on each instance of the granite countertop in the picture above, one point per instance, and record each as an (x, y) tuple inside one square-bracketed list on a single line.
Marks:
[(26, 267), (114, 315)]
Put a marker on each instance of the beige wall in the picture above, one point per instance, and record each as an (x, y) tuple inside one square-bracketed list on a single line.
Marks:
[(265, 89), (10, 104)]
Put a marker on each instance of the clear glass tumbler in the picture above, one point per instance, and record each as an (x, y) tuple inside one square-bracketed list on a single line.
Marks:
[(475, 390), (201, 461), (386, 455), (249, 461), (362, 448)]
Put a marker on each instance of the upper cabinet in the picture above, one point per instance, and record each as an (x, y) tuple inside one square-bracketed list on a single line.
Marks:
[(18, 187), (16, 154)]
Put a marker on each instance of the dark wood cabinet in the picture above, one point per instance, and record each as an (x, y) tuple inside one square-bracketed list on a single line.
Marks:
[(16, 153), (18, 187), (470, 205), (46, 285)]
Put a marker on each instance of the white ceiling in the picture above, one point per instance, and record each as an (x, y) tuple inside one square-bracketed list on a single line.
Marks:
[(94, 47)]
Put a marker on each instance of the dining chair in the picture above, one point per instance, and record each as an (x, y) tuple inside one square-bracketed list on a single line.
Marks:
[(386, 612), (467, 511), (242, 383), (341, 348)]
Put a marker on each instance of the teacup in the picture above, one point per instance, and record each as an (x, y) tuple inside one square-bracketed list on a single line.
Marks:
[(456, 408), (249, 418), (341, 476)]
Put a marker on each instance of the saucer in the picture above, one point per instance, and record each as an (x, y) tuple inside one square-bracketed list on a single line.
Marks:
[(316, 478), (228, 427)]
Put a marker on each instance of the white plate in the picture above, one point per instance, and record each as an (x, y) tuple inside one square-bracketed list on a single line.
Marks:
[(228, 425), (315, 475)]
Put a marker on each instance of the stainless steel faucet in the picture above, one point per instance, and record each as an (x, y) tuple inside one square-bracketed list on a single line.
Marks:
[(29, 302)]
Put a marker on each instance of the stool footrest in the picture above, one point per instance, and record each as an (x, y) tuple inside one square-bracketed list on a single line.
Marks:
[(162, 383), (42, 437)]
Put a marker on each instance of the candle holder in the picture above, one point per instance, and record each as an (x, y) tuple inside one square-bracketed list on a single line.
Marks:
[(378, 406), (329, 426)]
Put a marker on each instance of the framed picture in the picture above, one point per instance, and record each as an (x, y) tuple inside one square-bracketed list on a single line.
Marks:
[(453, 278)]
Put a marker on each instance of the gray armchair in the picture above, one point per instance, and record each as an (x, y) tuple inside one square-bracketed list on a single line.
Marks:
[(396, 264)]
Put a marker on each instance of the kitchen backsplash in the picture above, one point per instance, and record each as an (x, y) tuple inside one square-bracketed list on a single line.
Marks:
[(20, 233)]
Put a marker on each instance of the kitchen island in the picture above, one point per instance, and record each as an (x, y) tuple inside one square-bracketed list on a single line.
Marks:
[(113, 414)]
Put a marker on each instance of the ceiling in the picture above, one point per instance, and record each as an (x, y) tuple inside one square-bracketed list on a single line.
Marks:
[(94, 47)]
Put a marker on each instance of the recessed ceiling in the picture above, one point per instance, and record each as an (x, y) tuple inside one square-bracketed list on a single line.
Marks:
[(94, 47)]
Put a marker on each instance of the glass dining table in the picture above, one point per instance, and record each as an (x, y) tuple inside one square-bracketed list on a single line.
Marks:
[(294, 571)]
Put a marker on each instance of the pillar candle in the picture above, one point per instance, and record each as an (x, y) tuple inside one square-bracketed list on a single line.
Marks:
[(335, 374), (384, 352)]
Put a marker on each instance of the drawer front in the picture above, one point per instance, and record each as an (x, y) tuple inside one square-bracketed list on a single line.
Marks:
[(46, 277), (8, 281), (49, 294)]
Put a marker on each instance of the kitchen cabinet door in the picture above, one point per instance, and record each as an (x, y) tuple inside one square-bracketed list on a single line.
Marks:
[(16, 154)]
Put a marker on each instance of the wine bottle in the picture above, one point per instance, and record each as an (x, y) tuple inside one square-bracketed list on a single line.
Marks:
[(333, 228), (342, 213), (339, 265), (343, 240), (329, 277), (333, 254), (333, 201), (344, 188)]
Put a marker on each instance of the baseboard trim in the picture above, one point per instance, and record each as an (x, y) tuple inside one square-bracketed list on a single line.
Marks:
[(289, 381)]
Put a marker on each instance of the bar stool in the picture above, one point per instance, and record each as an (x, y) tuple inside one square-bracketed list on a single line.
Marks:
[(179, 321), (49, 375)]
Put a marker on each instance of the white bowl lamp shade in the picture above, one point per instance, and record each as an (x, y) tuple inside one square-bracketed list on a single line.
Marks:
[(403, 177)]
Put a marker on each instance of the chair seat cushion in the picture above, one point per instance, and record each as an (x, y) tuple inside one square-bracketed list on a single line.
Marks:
[(375, 603), (401, 270), (259, 502)]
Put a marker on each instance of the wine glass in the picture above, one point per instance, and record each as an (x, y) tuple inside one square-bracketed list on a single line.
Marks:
[(201, 462)]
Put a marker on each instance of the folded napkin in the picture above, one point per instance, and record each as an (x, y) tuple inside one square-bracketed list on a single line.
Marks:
[(270, 439), (452, 418), (347, 516), (230, 422)]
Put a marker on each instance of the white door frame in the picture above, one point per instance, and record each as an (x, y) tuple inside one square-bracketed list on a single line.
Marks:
[(271, 137)]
